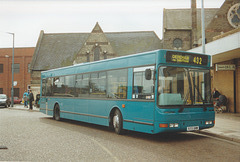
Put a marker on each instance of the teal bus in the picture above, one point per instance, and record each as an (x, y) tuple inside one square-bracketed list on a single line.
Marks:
[(150, 92)]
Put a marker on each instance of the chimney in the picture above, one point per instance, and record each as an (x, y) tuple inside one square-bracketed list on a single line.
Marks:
[(194, 23)]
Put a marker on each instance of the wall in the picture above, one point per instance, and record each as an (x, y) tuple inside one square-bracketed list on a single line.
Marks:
[(170, 35), (23, 57), (223, 81)]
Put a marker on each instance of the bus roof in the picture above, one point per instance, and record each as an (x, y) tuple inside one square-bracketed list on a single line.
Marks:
[(140, 59)]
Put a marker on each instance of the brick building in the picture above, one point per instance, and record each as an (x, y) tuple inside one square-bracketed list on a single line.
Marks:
[(22, 60), (182, 27), (182, 31), (225, 20)]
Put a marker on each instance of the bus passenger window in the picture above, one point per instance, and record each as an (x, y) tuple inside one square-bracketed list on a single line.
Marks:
[(59, 86), (82, 85), (98, 85), (117, 84), (49, 87), (44, 87), (69, 86), (142, 88)]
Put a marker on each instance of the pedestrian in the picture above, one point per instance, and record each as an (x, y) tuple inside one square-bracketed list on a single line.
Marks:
[(37, 100), (25, 99), (31, 99), (222, 101), (215, 94)]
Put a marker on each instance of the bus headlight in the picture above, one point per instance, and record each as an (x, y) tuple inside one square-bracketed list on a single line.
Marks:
[(173, 125), (208, 122)]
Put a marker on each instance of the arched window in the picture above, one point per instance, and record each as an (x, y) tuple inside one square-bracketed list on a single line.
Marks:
[(97, 53)]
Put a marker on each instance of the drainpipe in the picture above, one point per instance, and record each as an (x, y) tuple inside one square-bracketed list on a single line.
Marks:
[(194, 23), (235, 86), (203, 29)]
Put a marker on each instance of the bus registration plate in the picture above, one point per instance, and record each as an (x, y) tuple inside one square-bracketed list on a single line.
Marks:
[(193, 128)]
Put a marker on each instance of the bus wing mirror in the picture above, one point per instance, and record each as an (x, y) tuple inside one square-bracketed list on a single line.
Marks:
[(148, 74)]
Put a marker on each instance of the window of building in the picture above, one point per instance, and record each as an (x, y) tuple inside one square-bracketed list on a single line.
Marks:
[(88, 56), (29, 70), (97, 53), (233, 15), (16, 92), (1, 90), (177, 43), (16, 68), (142, 88), (1, 68), (105, 54)]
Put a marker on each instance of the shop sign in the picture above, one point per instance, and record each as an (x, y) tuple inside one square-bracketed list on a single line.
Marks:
[(225, 67)]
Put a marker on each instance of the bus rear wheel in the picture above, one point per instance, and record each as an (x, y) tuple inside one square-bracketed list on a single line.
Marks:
[(118, 122), (56, 112)]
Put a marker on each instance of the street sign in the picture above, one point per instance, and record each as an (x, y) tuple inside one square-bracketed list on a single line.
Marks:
[(14, 83), (224, 67)]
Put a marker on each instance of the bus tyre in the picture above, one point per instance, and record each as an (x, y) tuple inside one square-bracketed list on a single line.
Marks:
[(56, 113), (118, 122)]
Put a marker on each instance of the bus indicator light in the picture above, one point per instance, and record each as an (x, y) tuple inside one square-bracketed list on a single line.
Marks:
[(163, 125), (123, 105)]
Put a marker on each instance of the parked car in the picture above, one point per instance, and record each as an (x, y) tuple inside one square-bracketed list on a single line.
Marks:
[(4, 100), (17, 100)]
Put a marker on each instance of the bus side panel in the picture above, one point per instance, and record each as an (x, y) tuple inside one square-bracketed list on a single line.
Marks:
[(98, 112), (139, 116), (43, 105), (50, 102), (74, 109), (81, 108)]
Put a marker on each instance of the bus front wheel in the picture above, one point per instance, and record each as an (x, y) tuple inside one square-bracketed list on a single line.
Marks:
[(118, 122), (56, 113)]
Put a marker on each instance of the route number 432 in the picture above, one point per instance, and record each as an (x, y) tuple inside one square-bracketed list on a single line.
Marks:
[(197, 60)]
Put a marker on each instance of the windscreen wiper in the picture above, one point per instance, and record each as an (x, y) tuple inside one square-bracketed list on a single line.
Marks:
[(190, 90), (204, 105)]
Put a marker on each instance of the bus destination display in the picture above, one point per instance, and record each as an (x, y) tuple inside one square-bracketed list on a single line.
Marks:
[(186, 58)]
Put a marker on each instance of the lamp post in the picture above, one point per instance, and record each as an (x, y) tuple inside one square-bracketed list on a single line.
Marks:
[(12, 91), (203, 29)]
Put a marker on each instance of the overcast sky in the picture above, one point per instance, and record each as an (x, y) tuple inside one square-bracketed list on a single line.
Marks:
[(26, 18)]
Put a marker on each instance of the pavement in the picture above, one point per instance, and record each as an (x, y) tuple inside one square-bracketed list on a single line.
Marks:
[(227, 125)]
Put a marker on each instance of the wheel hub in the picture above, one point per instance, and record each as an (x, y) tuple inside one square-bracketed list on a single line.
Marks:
[(116, 121)]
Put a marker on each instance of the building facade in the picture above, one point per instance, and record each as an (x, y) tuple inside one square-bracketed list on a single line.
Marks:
[(56, 50), (182, 27), (182, 31), (22, 75), (225, 51)]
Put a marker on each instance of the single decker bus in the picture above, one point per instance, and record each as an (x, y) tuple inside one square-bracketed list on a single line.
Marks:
[(150, 92)]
